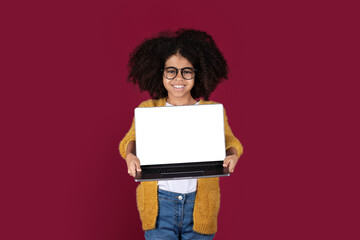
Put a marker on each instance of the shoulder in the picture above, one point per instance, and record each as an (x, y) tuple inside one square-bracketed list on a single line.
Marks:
[(153, 103)]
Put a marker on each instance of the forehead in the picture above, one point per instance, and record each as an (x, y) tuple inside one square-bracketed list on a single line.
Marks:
[(177, 61)]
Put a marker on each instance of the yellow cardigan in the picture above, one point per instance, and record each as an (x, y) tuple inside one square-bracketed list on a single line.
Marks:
[(207, 201)]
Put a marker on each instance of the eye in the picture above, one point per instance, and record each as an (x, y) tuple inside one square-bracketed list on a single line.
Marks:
[(170, 71)]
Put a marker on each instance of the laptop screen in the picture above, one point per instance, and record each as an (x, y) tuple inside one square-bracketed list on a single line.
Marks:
[(180, 134)]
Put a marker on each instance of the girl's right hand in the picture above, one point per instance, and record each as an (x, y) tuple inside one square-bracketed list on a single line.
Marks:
[(133, 164)]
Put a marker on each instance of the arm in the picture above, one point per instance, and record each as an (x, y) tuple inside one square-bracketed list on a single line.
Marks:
[(127, 147), (132, 162), (234, 148), (231, 159), (127, 150)]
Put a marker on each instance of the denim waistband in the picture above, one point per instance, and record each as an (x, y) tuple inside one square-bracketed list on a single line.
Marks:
[(180, 197)]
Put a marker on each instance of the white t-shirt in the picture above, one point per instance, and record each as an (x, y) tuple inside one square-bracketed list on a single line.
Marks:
[(179, 186)]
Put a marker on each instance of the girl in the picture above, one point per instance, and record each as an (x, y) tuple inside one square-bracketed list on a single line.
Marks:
[(178, 68)]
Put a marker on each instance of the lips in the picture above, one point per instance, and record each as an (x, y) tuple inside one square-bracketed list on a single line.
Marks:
[(178, 86)]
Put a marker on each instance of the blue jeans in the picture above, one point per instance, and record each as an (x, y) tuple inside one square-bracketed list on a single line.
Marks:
[(175, 218)]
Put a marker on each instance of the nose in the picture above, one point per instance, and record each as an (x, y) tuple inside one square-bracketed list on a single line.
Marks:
[(179, 75)]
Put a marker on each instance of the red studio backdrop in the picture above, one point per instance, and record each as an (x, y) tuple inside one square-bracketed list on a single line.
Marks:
[(291, 99)]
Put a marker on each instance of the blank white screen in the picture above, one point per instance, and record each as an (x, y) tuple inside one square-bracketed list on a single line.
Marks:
[(180, 134)]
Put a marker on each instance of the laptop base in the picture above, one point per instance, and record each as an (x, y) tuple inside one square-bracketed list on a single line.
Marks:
[(182, 171)]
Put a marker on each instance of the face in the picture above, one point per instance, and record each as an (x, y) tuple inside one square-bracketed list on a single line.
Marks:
[(178, 88)]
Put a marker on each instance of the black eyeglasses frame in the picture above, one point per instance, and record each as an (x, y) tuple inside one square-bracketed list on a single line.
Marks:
[(181, 71)]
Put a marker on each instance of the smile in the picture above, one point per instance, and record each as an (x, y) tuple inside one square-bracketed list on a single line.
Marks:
[(178, 86)]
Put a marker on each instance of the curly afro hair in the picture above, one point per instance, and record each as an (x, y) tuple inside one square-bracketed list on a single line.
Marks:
[(147, 60)]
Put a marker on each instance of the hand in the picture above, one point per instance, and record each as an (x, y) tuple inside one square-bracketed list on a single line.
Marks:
[(231, 160), (133, 164)]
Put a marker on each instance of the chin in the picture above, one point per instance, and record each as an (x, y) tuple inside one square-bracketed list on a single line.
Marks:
[(179, 95)]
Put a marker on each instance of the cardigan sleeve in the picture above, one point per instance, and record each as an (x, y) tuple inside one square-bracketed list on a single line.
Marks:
[(130, 135), (230, 139)]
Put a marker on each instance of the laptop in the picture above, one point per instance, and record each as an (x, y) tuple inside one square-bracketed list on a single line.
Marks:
[(180, 142)]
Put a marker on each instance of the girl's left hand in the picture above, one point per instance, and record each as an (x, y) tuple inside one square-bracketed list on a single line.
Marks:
[(231, 159)]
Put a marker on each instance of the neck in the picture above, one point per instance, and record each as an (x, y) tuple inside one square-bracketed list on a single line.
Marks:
[(180, 101)]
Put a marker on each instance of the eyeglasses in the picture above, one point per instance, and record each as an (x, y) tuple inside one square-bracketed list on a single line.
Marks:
[(187, 73)]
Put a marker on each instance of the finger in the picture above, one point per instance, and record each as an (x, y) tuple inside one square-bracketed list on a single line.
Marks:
[(233, 164), (137, 165), (133, 173), (131, 169), (231, 167), (226, 162)]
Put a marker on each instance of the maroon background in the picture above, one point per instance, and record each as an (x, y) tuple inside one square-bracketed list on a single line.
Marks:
[(292, 100)]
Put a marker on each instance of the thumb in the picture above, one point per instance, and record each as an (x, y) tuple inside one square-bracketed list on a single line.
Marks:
[(226, 162)]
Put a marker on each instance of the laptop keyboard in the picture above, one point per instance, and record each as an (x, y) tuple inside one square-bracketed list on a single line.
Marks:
[(181, 169)]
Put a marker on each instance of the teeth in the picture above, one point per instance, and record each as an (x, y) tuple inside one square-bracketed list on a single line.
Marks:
[(178, 86)]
